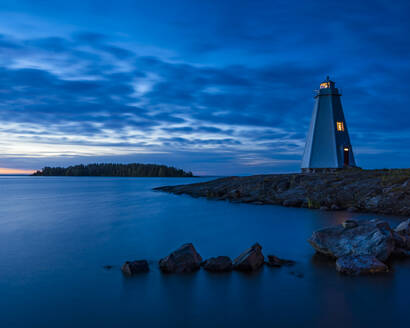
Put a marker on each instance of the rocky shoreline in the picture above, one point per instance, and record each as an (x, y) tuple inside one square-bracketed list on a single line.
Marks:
[(356, 190)]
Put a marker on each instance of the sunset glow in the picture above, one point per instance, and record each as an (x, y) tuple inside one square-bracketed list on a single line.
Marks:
[(5, 170)]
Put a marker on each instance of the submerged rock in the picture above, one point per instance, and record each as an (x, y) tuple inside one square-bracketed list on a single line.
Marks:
[(360, 265), (250, 260), (297, 274), (135, 267), (218, 264), (274, 261), (369, 237), (184, 259)]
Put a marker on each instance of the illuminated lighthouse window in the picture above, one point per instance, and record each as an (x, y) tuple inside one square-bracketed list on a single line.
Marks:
[(340, 126), (324, 85)]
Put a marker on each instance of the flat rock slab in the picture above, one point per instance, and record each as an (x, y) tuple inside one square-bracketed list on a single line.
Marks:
[(250, 260), (184, 259), (218, 264), (135, 267), (360, 265)]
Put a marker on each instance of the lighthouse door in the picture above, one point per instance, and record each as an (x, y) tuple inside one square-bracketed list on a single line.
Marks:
[(346, 155)]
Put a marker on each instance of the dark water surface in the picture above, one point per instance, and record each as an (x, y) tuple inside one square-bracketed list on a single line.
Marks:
[(56, 234)]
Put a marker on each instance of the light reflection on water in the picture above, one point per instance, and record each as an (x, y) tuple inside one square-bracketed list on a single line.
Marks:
[(56, 234)]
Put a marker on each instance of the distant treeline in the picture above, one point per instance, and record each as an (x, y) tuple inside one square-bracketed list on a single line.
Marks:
[(115, 170)]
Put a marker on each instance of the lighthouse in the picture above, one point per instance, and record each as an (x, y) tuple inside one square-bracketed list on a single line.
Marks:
[(328, 144)]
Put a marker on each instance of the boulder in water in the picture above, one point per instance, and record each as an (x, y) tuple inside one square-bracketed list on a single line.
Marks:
[(369, 237), (218, 264), (250, 260), (184, 259), (135, 267)]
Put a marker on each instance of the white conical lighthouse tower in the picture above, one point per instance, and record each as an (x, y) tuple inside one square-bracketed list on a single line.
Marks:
[(327, 143)]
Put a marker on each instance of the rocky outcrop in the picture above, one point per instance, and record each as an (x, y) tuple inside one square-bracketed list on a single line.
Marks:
[(361, 247), (218, 264), (373, 237), (184, 259), (135, 267), (250, 260), (360, 265), (376, 191), (274, 261)]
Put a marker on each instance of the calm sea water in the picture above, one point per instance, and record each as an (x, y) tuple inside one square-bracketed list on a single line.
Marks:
[(56, 234)]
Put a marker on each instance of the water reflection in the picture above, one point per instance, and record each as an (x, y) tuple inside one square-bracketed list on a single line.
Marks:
[(56, 234)]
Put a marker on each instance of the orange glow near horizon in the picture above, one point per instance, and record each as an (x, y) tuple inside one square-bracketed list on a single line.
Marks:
[(5, 170)]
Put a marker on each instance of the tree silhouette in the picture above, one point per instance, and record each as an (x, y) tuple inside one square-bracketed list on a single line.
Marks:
[(115, 170)]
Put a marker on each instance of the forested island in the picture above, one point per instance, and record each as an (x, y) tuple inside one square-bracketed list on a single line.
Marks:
[(115, 170)]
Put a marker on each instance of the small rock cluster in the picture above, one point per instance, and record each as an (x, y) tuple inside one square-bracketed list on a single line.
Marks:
[(362, 247), (186, 259), (359, 247)]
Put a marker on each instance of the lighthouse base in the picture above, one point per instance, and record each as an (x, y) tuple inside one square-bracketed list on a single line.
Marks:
[(329, 169)]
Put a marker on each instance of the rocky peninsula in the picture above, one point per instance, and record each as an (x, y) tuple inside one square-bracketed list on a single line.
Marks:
[(376, 191)]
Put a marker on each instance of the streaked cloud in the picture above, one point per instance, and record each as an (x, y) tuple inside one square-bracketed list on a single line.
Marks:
[(222, 96)]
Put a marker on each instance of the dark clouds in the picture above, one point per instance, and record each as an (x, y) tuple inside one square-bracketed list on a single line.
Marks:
[(228, 92)]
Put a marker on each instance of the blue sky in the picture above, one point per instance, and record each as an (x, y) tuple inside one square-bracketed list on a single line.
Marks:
[(216, 87)]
